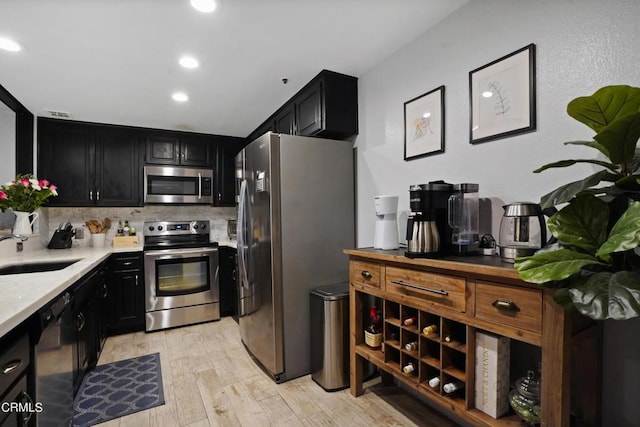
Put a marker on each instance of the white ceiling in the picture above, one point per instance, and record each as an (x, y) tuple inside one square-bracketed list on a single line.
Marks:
[(115, 61)]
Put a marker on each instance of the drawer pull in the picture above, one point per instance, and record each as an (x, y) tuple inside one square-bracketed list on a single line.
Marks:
[(11, 366), (127, 263), (366, 275), (505, 304), (410, 285)]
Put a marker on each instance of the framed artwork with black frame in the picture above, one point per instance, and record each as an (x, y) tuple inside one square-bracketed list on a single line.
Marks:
[(503, 97), (424, 125)]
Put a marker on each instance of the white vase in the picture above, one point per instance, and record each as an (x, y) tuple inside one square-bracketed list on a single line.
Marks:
[(23, 224)]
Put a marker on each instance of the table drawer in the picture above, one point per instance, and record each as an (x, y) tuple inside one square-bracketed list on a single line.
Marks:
[(510, 305), (365, 273), (435, 289), (14, 359)]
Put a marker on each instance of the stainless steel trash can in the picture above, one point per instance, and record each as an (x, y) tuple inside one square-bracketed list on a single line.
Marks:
[(329, 333)]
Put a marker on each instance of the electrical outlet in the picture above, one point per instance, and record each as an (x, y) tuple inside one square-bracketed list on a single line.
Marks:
[(19, 247), (79, 233)]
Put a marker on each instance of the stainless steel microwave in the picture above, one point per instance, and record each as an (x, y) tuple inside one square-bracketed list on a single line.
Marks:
[(176, 184)]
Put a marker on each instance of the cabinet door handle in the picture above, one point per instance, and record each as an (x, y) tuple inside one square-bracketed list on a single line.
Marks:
[(26, 416), (505, 304), (97, 195), (366, 275), (91, 195), (411, 285), (80, 322), (127, 263), (11, 366), (136, 280)]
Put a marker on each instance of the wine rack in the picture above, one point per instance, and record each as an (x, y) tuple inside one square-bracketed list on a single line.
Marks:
[(430, 355)]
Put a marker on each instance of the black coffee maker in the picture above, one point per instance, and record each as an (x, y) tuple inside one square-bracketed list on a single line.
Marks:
[(428, 230)]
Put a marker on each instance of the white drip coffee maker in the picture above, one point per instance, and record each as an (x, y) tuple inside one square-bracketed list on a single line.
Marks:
[(386, 234)]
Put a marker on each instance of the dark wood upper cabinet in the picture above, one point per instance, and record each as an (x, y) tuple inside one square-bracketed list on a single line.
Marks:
[(117, 170), (308, 107), (285, 120), (169, 148), (92, 165), (162, 150), (326, 107), (225, 181)]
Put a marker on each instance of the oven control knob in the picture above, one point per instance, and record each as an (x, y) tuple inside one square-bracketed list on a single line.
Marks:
[(195, 227), (151, 228), (159, 228), (204, 226)]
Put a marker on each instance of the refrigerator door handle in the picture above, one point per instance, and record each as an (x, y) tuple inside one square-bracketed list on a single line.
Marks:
[(242, 239)]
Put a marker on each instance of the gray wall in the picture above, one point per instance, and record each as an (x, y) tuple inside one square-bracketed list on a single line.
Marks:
[(581, 46)]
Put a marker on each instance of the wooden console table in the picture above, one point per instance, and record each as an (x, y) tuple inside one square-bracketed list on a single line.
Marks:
[(473, 293)]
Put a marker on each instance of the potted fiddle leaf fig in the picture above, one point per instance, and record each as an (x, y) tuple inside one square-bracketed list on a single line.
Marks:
[(595, 264)]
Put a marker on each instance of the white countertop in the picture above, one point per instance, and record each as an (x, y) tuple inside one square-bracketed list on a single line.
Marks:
[(21, 295)]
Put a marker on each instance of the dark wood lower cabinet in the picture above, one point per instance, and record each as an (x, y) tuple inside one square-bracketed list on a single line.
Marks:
[(126, 293), (228, 284)]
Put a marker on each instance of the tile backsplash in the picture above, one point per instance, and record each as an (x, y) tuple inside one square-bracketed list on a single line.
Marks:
[(52, 217)]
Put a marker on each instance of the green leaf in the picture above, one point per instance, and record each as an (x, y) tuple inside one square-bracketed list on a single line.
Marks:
[(607, 295), (629, 183), (562, 296), (552, 266), (592, 144), (620, 138), (567, 192), (565, 163), (582, 223), (605, 106), (625, 234)]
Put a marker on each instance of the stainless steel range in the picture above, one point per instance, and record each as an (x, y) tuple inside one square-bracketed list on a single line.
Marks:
[(181, 274)]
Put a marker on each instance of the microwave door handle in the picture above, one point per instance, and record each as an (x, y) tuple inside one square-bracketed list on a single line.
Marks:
[(199, 186)]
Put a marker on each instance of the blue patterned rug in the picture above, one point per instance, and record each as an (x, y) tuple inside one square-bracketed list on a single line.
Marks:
[(117, 389)]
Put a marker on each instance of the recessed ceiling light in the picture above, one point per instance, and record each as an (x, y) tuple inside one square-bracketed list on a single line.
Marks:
[(205, 6), (10, 45), (180, 97), (189, 62)]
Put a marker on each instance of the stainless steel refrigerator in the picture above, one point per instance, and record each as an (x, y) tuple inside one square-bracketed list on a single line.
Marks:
[(295, 217)]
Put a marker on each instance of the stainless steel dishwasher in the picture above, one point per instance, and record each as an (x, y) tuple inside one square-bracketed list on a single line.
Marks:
[(55, 337)]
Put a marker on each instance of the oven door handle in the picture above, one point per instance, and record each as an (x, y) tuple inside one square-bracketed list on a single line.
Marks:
[(199, 186), (176, 253)]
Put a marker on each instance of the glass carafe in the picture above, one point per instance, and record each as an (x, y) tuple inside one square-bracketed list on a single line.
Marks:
[(463, 219)]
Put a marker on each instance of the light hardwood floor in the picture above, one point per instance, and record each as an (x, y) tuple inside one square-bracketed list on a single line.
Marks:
[(210, 380)]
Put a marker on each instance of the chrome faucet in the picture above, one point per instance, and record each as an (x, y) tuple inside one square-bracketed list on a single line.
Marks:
[(19, 237)]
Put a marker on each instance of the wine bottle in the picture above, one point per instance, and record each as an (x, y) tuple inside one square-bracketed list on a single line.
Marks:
[(413, 345), (453, 386), (409, 321), (431, 329), (434, 382), (125, 229), (373, 332), (409, 368)]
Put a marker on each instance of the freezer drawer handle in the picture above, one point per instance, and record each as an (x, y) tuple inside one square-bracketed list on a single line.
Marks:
[(505, 304), (11, 366), (366, 275), (410, 285)]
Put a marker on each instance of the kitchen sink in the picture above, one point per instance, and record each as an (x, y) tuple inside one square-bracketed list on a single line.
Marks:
[(36, 267)]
